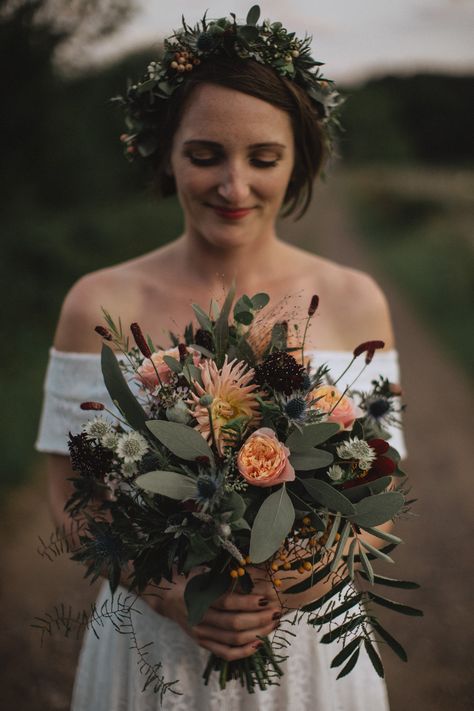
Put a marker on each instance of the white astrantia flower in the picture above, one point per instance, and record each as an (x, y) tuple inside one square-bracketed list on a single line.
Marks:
[(128, 469), (335, 472), (358, 449), (97, 428), (131, 446), (110, 440)]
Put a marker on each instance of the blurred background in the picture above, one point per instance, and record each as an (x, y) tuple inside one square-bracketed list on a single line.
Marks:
[(398, 203)]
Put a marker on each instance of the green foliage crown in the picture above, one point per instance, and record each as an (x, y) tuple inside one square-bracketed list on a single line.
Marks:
[(268, 43)]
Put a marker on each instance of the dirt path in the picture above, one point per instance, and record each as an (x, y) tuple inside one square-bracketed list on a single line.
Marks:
[(437, 550)]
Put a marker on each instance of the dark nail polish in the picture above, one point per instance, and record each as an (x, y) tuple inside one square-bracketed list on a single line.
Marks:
[(263, 602), (276, 616)]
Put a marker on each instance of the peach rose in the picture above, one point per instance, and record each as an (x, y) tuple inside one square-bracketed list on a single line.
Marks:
[(344, 413), (263, 459), (146, 372)]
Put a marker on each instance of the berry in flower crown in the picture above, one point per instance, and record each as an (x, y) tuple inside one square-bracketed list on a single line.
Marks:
[(268, 43)]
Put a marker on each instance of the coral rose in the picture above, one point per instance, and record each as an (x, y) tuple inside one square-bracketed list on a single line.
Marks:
[(263, 459), (344, 412), (146, 372)]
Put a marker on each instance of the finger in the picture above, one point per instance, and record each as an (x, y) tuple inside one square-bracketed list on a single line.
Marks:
[(238, 621), (235, 639), (242, 602), (227, 652)]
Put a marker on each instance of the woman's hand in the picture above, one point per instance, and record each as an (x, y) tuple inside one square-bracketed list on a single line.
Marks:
[(231, 626)]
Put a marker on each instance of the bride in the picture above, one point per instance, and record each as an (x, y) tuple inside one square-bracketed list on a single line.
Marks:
[(238, 143)]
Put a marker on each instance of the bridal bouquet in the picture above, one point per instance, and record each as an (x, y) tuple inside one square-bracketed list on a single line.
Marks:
[(232, 453)]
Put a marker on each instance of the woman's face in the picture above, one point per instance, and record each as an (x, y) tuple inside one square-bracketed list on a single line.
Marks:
[(232, 158)]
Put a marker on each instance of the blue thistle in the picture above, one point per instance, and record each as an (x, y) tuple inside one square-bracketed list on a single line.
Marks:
[(295, 408), (378, 408)]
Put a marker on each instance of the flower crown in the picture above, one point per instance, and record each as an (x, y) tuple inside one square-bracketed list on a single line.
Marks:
[(268, 43)]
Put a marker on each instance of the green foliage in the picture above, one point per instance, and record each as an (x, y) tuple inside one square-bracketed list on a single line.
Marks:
[(377, 509), (201, 591), (272, 524), (119, 391), (326, 495), (185, 442), (171, 484)]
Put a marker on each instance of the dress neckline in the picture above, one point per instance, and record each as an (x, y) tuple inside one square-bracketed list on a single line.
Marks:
[(311, 351)]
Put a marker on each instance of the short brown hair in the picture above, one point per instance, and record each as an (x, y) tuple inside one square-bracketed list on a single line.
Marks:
[(250, 77)]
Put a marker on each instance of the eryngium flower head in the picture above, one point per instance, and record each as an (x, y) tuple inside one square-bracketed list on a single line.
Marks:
[(295, 408), (232, 395), (280, 371)]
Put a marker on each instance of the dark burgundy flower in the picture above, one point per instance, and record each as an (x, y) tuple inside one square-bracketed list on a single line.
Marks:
[(313, 304), (369, 348), (92, 406), (280, 371), (104, 332), (140, 340)]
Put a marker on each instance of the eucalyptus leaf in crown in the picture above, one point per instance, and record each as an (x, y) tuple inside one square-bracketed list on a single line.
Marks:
[(268, 43), (233, 457)]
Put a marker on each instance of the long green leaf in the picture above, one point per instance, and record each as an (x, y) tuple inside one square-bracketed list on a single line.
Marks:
[(311, 435), (335, 590), (376, 551), (350, 664), (201, 591), (328, 496), (377, 509), (221, 328), (367, 566), (204, 320), (384, 535), (119, 390), (313, 579), (171, 484), (334, 530), (392, 582), (341, 545), (337, 632), (180, 439), (350, 558), (391, 641), (393, 605), (336, 611), (374, 657), (311, 459), (272, 524), (345, 652)]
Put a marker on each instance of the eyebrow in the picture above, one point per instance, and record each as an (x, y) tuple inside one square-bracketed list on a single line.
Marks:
[(214, 144)]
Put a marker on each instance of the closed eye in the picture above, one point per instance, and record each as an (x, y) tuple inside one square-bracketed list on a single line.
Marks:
[(214, 160)]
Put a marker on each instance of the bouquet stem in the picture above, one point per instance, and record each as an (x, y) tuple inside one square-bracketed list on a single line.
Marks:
[(260, 669)]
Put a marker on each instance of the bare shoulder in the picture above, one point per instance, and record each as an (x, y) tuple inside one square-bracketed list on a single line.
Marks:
[(82, 308), (366, 306), (350, 298)]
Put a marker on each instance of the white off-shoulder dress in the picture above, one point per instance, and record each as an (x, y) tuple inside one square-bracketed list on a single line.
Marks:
[(108, 677)]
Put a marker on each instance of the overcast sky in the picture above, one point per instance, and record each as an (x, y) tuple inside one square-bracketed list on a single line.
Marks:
[(354, 38)]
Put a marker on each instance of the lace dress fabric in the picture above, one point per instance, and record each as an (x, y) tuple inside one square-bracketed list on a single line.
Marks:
[(108, 676)]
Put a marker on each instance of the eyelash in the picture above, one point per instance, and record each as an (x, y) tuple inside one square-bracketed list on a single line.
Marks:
[(204, 162)]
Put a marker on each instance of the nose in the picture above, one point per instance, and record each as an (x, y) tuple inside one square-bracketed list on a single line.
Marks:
[(234, 184)]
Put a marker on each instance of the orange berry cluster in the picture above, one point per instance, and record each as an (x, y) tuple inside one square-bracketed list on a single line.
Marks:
[(183, 61), (240, 570)]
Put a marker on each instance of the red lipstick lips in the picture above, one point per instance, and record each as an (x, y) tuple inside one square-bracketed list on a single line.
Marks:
[(233, 214)]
